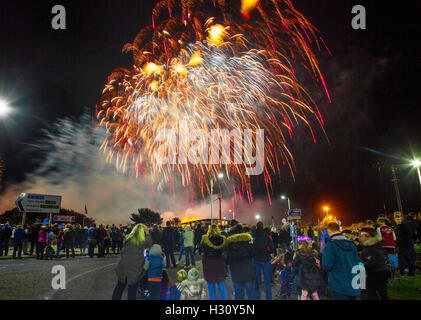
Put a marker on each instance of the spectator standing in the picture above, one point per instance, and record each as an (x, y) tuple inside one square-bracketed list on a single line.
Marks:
[(168, 239), (188, 237), (339, 258), (263, 248), (213, 261), (19, 236)]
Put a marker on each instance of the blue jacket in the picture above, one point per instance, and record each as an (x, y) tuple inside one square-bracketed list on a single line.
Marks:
[(339, 257), (156, 263), (19, 235)]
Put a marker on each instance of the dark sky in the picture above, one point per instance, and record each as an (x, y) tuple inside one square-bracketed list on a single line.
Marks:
[(373, 78)]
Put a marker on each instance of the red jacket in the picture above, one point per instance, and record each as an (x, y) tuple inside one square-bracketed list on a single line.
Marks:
[(388, 237)]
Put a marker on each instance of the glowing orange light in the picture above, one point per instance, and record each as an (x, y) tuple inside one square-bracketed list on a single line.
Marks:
[(247, 6), (216, 34), (326, 208), (179, 68), (330, 217), (153, 85), (195, 59)]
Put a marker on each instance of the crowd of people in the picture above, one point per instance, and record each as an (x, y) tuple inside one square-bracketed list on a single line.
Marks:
[(50, 241), (254, 256), (250, 257)]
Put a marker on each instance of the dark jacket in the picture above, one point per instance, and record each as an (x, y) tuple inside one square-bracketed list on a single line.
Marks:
[(308, 274), (155, 236), (239, 254), (168, 238), (102, 233), (284, 237), (69, 236), (116, 235), (213, 261), (339, 258), (263, 246), (198, 233), (6, 233), (403, 235), (372, 255), (19, 235), (33, 233)]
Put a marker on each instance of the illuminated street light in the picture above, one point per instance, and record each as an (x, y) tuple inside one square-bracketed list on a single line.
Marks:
[(416, 163), (257, 216), (4, 108), (283, 197), (220, 175)]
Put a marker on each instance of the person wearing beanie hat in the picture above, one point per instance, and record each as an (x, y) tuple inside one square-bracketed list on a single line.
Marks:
[(154, 265), (372, 256), (193, 288)]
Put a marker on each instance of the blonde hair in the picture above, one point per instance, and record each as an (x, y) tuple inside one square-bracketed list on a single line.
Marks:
[(137, 236)]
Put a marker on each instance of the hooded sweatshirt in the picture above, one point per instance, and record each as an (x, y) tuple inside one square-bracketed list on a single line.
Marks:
[(188, 237), (339, 258)]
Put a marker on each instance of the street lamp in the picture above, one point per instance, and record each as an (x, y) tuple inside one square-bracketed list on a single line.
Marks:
[(257, 216), (326, 209), (5, 109), (283, 197), (416, 163), (219, 176)]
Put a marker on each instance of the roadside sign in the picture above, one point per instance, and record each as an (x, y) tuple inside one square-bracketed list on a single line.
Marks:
[(28, 202), (64, 219), (294, 214)]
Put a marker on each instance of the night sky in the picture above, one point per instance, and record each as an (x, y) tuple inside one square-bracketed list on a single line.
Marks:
[(372, 76)]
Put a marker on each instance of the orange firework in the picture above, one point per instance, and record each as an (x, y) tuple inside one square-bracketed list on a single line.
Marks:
[(201, 65)]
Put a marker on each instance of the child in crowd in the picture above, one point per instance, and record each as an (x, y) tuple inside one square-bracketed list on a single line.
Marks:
[(277, 263), (175, 291), (193, 288), (154, 265), (307, 268)]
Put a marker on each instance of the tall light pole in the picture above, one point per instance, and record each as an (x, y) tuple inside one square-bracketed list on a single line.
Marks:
[(395, 183), (283, 197), (416, 163), (219, 176)]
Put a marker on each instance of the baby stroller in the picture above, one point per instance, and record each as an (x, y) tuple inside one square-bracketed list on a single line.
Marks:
[(143, 291), (287, 278)]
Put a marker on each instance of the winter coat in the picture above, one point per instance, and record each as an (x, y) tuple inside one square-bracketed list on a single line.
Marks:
[(60, 237), (263, 246), (339, 257), (308, 273), (213, 261), (33, 234), (239, 254), (388, 237), (188, 237), (193, 288), (116, 235), (42, 236), (372, 255), (156, 236), (168, 238), (6, 233), (19, 235), (131, 265), (284, 237), (69, 236), (198, 234), (403, 235), (155, 262), (101, 235)]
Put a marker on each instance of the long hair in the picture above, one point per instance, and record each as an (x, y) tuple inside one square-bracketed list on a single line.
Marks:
[(138, 235)]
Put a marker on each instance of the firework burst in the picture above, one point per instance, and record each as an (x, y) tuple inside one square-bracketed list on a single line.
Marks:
[(209, 65)]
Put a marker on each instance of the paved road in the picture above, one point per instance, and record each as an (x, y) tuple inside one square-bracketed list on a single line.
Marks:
[(87, 279)]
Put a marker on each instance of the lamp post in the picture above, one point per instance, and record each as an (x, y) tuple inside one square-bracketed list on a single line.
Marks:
[(220, 176), (395, 184), (283, 197)]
